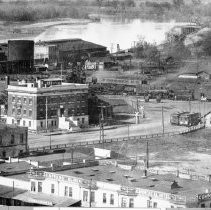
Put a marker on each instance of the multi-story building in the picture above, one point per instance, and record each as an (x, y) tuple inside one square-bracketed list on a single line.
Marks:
[(13, 140), (48, 104)]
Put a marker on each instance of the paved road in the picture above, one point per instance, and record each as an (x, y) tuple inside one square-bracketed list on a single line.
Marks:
[(151, 125), (134, 130)]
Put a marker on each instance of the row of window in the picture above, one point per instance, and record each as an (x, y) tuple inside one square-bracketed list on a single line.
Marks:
[(53, 123), (68, 191), (24, 122), (19, 111), (12, 139), (19, 100)]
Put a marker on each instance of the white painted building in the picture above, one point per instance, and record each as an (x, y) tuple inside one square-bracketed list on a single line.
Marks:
[(208, 120), (110, 186)]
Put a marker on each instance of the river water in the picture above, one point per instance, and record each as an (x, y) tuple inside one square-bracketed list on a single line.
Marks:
[(109, 32)]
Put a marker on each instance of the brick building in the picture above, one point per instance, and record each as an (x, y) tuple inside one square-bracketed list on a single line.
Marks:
[(48, 104), (13, 140)]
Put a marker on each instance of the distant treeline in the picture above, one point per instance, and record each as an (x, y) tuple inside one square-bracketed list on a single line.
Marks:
[(152, 10)]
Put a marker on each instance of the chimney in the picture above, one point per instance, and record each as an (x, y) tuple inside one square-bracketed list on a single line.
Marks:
[(52, 166), (118, 48), (7, 80)]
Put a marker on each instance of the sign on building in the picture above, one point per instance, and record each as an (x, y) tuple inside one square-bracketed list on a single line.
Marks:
[(204, 196)]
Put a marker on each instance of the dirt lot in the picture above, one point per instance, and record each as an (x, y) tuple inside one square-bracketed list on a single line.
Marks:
[(191, 151)]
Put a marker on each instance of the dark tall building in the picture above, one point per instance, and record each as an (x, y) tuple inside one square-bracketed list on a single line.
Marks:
[(13, 140), (20, 56)]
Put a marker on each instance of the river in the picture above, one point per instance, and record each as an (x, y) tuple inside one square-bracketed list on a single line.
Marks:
[(109, 33)]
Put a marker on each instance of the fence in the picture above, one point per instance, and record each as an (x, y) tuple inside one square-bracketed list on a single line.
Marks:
[(120, 139)]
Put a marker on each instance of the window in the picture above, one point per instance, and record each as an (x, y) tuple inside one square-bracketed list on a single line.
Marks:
[(85, 195), (18, 111), (24, 111), (30, 113), (65, 190), (30, 101), (24, 123), (104, 197), (123, 203), (18, 122), (13, 99), (149, 204), (21, 138), (55, 123), (19, 100), (70, 192), (92, 197), (13, 111), (82, 120), (172, 207), (131, 203), (33, 187), (4, 154), (202, 205), (41, 124), (30, 123), (39, 186), (13, 121), (112, 199), (51, 123), (24, 100), (155, 205), (12, 139), (0, 140), (52, 188)]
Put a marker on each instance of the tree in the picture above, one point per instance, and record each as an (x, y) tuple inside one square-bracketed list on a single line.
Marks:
[(178, 3), (205, 44)]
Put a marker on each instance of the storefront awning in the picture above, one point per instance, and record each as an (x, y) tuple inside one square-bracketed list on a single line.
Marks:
[(45, 199)]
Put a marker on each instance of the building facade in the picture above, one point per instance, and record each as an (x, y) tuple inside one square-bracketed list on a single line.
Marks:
[(13, 141), (41, 105), (104, 186)]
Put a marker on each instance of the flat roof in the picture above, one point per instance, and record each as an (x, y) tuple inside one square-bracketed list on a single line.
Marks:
[(9, 192), (45, 199), (16, 167), (162, 183)]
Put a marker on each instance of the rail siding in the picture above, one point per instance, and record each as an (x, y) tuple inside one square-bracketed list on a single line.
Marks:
[(86, 143)]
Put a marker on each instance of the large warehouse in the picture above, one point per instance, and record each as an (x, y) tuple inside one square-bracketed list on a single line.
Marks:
[(66, 50)]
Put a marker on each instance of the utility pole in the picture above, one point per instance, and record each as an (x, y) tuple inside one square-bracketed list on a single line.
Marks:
[(147, 155), (163, 120), (101, 121), (46, 114), (90, 191)]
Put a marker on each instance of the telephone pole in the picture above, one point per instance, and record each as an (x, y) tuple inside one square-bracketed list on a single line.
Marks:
[(46, 114), (162, 120), (101, 121)]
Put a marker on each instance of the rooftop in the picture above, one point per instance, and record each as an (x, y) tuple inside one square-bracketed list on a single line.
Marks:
[(44, 199), (115, 175), (14, 168), (9, 192), (45, 85)]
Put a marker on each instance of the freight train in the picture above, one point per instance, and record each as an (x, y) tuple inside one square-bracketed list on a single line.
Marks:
[(185, 119)]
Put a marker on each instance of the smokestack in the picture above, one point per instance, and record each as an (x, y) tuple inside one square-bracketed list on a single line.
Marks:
[(118, 48)]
